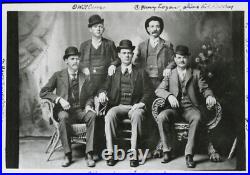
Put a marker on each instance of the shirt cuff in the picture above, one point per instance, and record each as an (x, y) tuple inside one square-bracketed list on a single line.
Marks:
[(57, 100)]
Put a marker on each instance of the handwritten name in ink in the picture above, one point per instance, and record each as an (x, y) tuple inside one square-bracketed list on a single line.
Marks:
[(88, 7), (188, 6)]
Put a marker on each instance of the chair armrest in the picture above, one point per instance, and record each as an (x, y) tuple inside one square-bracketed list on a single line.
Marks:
[(100, 108), (217, 112), (47, 111), (157, 106)]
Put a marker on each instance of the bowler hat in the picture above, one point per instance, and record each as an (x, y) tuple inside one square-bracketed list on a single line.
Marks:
[(182, 50), (125, 44), (95, 19), (70, 51), (154, 18)]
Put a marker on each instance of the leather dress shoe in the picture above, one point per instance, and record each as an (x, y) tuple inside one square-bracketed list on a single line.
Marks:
[(166, 157), (67, 161), (111, 161), (90, 160), (134, 163), (189, 161)]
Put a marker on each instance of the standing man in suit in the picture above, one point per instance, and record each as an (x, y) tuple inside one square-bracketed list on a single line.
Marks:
[(183, 90), (73, 104), (155, 54), (129, 93), (98, 55)]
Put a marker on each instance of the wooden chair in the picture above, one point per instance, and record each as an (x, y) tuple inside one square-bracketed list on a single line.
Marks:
[(182, 128), (79, 130)]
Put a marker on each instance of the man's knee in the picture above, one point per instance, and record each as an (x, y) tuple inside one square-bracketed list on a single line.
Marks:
[(196, 117), (111, 115), (92, 116), (164, 115), (63, 116), (137, 115)]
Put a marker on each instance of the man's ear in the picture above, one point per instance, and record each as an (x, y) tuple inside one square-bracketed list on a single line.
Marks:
[(90, 29)]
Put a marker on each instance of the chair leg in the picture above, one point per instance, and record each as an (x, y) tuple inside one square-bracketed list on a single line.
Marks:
[(50, 142), (54, 145)]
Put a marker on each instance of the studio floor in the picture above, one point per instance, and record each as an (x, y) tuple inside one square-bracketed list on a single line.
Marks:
[(32, 156)]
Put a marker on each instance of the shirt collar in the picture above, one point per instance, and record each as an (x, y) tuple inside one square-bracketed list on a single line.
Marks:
[(72, 73), (154, 41), (181, 71), (129, 67)]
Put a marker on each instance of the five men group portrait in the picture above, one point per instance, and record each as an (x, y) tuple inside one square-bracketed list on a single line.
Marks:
[(128, 79)]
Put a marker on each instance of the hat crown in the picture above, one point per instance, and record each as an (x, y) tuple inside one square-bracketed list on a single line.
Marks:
[(126, 44), (70, 51), (95, 19), (182, 50)]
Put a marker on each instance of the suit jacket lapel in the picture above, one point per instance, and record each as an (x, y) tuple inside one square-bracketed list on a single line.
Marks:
[(188, 76), (173, 82), (87, 50), (65, 79), (145, 50), (160, 45), (133, 79), (81, 81), (117, 78)]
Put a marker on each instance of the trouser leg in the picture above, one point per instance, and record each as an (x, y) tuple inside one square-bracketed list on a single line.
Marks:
[(193, 116), (111, 123), (164, 126), (137, 117), (90, 120), (64, 130)]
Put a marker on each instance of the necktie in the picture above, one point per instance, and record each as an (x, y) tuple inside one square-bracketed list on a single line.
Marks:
[(126, 71), (74, 76)]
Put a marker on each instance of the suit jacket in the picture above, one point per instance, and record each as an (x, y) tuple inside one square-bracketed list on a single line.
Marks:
[(60, 82), (109, 53), (142, 88), (195, 86), (164, 55)]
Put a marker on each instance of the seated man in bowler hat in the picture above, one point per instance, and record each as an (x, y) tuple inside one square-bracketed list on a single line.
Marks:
[(183, 89), (98, 55), (73, 104), (129, 94)]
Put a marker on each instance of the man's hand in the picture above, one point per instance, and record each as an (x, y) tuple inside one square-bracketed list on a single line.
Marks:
[(102, 97), (89, 108), (111, 70), (64, 103), (137, 106), (166, 72), (173, 101), (210, 101), (86, 71)]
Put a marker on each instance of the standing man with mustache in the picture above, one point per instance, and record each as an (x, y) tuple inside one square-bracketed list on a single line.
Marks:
[(155, 54), (98, 55)]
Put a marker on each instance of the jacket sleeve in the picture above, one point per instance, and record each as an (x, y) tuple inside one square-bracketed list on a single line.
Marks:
[(147, 89), (106, 85), (163, 89), (84, 62), (47, 91), (137, 60), (203, 86), (115, 60)]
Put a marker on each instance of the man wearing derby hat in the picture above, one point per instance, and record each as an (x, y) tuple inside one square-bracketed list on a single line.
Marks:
[(73, 103), (182, 89), (129, 95), (155, 54), (98, 55)]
